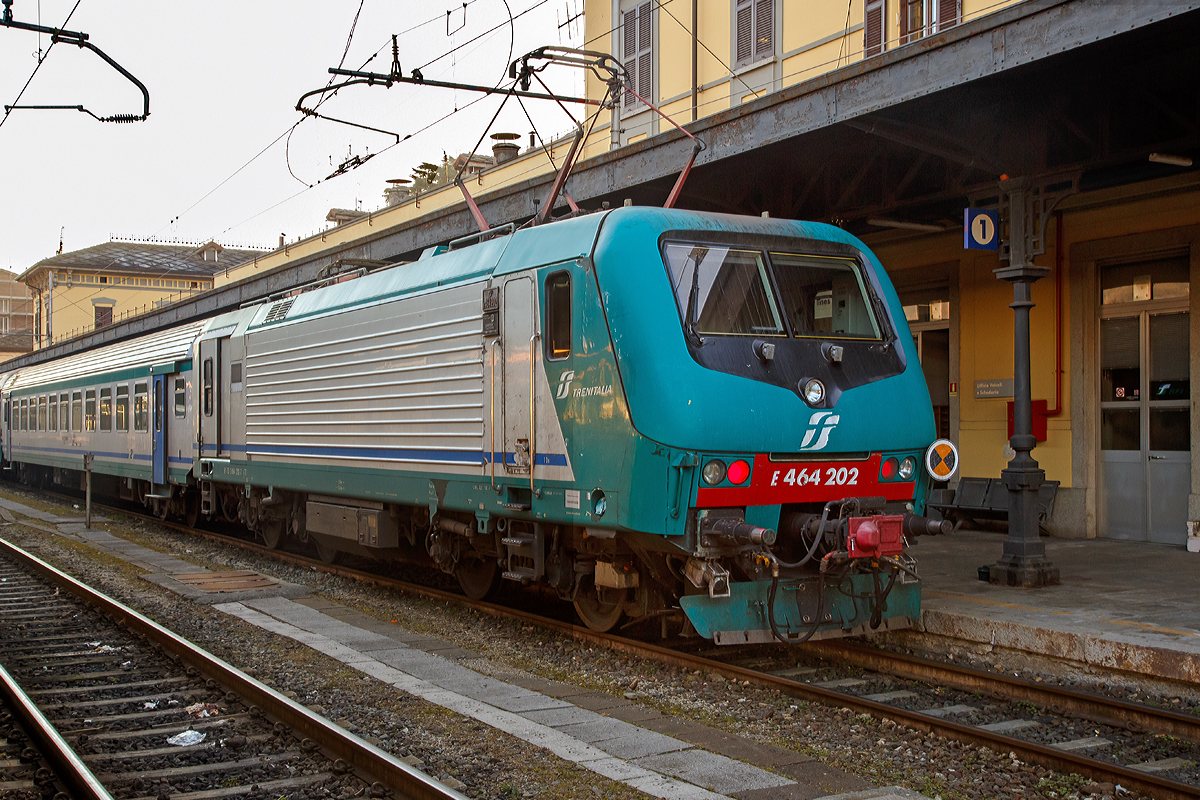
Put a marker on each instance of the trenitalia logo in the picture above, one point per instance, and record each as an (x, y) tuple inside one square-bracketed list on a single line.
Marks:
[(564, 388), (823, 422), (564, 384)]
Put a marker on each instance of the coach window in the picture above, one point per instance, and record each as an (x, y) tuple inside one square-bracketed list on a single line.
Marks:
[(42, 413), (52, 417), (180, 397), (123, 407), (141, 407), (64, 413), (106, 409), (25, 415), (159, 406), (208, 387), (76, 411), (89, 414), (558, 316)]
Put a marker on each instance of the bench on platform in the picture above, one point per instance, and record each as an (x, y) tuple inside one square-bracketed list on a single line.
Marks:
[(987, 498)]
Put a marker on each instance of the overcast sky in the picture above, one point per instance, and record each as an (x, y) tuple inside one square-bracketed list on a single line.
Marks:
[(224, 78)]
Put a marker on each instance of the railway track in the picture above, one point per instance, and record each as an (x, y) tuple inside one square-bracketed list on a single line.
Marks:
[(1061, 729), (140, 713)]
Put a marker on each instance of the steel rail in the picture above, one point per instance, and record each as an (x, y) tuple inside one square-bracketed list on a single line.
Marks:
[(69, 769), (383, 767), (1052, 758), (1059, 700)]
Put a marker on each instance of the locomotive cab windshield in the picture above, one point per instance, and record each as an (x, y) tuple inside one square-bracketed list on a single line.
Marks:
[(782, 305)]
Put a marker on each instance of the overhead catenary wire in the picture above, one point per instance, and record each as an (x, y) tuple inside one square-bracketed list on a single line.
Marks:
[(290, 128)]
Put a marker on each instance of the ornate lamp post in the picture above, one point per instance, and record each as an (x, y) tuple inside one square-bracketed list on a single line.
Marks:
[(1023, 562)]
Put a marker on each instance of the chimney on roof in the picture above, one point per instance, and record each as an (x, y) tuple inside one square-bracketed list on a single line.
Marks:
[(504, 147), (281, 241), (397, 191)]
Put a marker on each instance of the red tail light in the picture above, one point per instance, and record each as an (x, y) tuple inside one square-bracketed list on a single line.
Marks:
[(889, 469), (739, 471)]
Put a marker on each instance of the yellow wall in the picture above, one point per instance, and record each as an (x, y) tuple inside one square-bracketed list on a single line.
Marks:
[(73, 310), (985, 322)]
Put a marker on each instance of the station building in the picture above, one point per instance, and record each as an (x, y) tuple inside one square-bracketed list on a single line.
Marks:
[(890, 118)]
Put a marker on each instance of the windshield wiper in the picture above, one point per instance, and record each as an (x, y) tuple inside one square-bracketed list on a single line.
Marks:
[(689, 326)]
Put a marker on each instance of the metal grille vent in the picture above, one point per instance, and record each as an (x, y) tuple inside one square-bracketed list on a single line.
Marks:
[(279, 311)]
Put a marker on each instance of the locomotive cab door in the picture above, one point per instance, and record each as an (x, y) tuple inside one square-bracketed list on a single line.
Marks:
[(158, 412), (517, 321)]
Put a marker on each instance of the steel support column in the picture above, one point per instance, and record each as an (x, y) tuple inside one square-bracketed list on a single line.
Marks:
[(1023, 562)]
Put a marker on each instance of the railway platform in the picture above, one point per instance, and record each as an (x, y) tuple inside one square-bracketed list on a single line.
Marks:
[(1132, 606)]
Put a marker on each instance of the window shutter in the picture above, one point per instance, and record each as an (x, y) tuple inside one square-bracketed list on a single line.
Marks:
[(745, 32), (645, 71), (904, 12), (629, 52), (637, 53), (949, 12), (764, 26), (873, 29)]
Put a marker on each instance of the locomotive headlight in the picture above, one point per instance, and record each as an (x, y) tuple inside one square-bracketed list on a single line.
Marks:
[(907, 467), (813, 391), (714, 472)]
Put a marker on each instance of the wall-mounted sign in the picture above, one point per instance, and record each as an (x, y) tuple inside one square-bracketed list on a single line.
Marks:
[(981, 229), (997, 387)]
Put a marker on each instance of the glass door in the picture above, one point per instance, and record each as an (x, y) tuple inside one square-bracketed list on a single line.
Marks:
[(1145, 398)]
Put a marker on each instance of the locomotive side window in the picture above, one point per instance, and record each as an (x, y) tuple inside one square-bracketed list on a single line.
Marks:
[(89, 414), (558, 316), (106, 409), (64, 413), (723, 290), (180, 397), (141, 407), (52, 416), (42, 413), (208, 387), (122, 408), (824, 296), (76, 411)]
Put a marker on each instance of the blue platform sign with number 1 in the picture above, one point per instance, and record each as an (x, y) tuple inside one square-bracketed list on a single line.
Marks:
[(981, 229)]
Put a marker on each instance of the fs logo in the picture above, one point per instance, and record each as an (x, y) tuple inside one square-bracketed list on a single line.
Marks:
[(823, 421), (564, 384)]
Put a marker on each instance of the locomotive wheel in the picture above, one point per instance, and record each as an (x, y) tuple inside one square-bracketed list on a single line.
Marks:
[(272, 533), (330, 555), (599, 614), (478, 577)]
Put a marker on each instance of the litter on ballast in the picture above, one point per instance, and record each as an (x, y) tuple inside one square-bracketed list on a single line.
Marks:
[(203, 710), (149, 706), (186, 738)]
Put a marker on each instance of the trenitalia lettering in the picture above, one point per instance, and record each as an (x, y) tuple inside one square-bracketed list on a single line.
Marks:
[(593, 391)]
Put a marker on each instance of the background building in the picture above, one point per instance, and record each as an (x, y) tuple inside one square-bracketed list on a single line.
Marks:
[(84, 290), (16, 317)]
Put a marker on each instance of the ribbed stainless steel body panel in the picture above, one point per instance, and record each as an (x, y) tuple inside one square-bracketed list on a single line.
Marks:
[(395, 383)]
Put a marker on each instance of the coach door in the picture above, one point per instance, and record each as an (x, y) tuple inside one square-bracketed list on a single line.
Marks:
[(159, 427), (517, 326), (1145, 399), (209, 405)]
